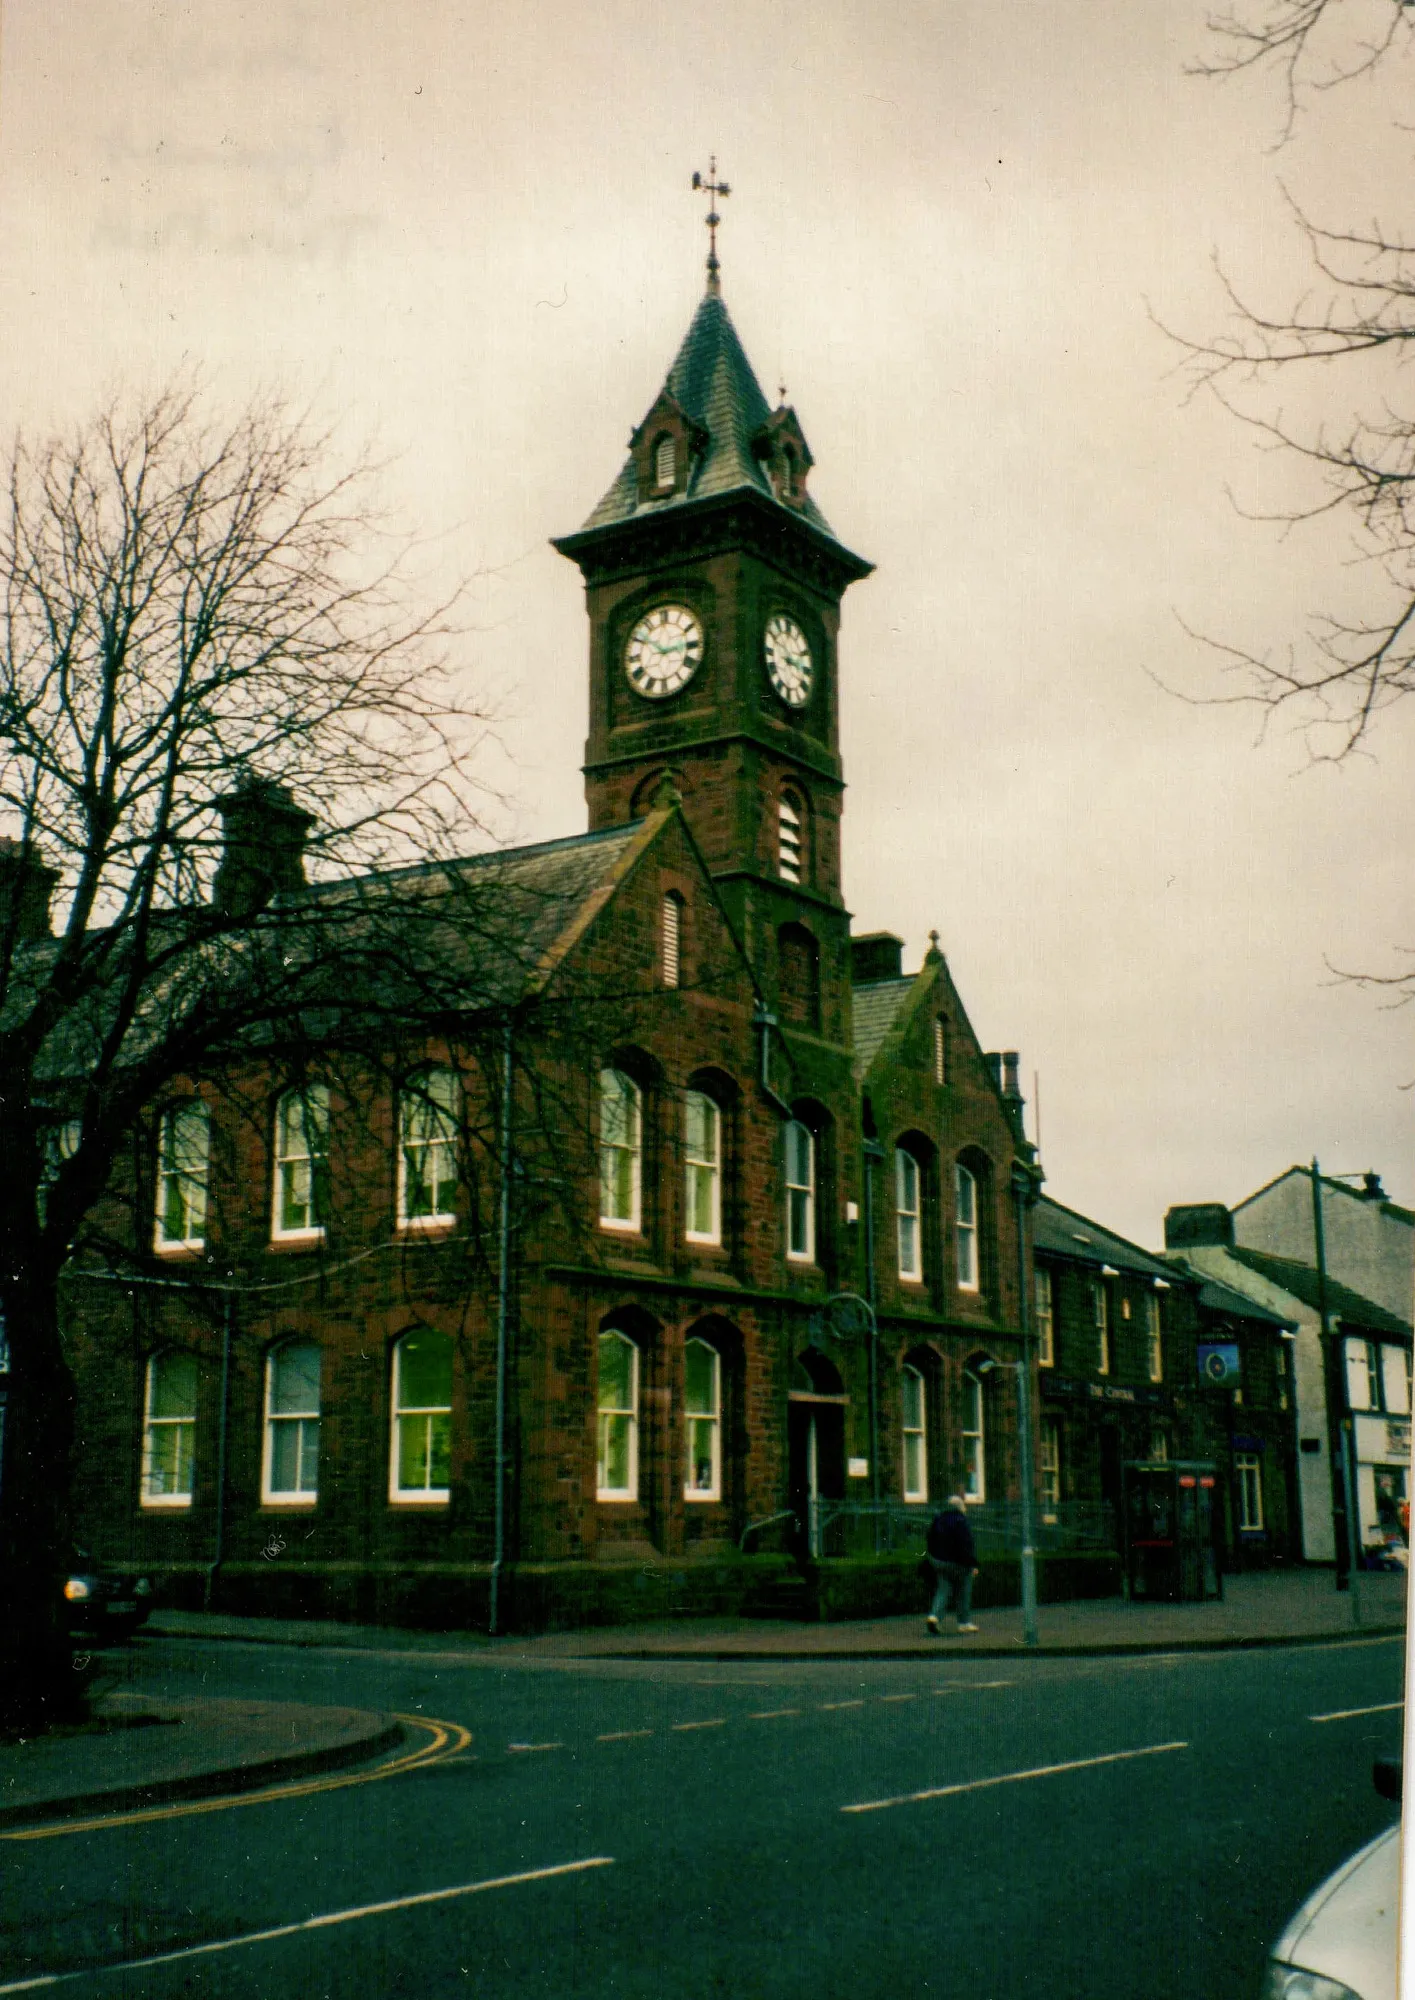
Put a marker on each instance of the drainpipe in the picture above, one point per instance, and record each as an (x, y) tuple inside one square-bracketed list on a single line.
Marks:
[(218, 1539), (1338, 1424), (1024, 1193), (503, 1321), (873, 1151)]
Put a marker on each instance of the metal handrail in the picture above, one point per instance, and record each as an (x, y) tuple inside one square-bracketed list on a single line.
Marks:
[(770, 1521)]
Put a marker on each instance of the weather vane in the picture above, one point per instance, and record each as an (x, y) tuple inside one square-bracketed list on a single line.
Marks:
[(712, 187)]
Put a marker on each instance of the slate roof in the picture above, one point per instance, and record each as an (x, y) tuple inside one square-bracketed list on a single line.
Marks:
[(875, 1010), (1214, 1296), (1065, 1232), (1342, 1303), (712, 379)]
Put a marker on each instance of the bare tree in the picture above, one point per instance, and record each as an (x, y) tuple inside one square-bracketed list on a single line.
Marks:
[(212, 665), (1311, 45)]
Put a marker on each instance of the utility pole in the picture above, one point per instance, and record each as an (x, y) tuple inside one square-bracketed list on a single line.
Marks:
[(1024, 1193), (1343, 1499)]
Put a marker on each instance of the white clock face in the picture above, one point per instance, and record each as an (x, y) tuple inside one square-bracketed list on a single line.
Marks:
[(664, 651), (788, 660)]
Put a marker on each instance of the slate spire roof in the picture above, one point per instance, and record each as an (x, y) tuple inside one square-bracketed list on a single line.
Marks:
[(713, 383)]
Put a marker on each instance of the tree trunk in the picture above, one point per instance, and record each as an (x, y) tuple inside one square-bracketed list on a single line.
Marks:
[(38, 1682)]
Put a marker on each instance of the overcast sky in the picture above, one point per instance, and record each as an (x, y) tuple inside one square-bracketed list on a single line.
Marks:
[(953, 227)]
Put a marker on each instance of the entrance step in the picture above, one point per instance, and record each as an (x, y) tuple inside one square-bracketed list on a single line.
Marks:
[(788, 1598)]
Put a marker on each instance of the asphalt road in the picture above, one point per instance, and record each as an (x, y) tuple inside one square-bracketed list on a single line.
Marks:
[(986, 1828)]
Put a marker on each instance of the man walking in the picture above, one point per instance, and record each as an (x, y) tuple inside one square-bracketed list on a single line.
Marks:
[(955, 1563)]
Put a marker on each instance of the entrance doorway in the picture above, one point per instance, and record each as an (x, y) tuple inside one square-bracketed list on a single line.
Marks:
[(815, 1444)]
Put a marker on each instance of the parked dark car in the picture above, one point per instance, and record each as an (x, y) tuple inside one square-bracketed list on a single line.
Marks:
[(102, 1603)]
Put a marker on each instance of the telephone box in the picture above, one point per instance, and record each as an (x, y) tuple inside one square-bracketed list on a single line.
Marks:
[(1169, 1523)]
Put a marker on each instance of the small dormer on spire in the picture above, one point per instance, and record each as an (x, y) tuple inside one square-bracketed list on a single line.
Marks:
[(665, 449), (781, 446)]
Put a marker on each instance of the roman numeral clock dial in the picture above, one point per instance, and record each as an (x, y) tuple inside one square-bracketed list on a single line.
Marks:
[(664, 651), (789, 666)]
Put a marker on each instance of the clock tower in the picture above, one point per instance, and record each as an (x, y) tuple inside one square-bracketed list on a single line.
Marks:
[(713, 586)]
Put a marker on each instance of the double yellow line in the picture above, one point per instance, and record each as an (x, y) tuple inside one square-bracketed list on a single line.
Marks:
[(448, 1740)]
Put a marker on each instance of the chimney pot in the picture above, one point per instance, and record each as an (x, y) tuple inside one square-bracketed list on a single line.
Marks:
[(263, 847)]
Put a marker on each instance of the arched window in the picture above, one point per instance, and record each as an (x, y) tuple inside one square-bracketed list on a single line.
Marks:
[(302, 1162), (169, 1431), (1100, 1315), (908, 1217), (1051, 1467), (672, 937), (290, 1469), (702, 1153), (620, 1150), (183, 1152), (428, 1113), (665, 463), (420, 1461), (965, 1229), (617, 1447), (913, 1411), (798, 959), (800, 1192), (790, 837), (975, 1485), (1154, 1339), (1046, 1321), (702, 1408)]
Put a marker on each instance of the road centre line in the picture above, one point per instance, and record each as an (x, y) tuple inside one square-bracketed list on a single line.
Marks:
[(1344, 1714), (1013, 1777), (718, 1722), (622, 1735), (436, 1752), (324, 1922), (770, 1714), (527, 1747), (826, 1706)]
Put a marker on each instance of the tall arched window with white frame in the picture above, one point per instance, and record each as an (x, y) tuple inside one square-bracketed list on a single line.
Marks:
[(302, 1162), (800, 1193), (965, 1229), (169, 1430), (908, 1208), (429, 1111), (702, 1414), (702, 1168), (290, 1462), (975, 1478), (913, 1398), (617, 1430), (183, 1154), (620, 1151), (420, 1460)]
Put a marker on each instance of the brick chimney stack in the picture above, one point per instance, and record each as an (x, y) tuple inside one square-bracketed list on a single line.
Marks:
[(26, 886), (263, 847)]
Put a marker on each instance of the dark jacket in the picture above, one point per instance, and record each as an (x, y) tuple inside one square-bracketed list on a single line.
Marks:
[(951, 1539)]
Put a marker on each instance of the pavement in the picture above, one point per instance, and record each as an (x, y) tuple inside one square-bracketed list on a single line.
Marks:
[(139, 1750)]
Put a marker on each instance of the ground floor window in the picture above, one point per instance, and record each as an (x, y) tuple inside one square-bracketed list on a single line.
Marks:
[(1248, 1466), (617, 1450), (702, 1406), (169, 1431), (422, 1417), (974, 1442), (916, 1461), (1051, 1467)]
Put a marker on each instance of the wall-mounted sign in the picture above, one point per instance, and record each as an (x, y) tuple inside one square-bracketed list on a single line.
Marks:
[(858, 1468), (1219, 1362)]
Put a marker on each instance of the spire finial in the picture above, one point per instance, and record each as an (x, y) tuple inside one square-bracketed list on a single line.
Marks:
[(712, 187)]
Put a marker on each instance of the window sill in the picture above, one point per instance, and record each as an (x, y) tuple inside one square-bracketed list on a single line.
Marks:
[(186, 1253), (165, 1503), (702, 1499), (611, 1228), (616, 1499), (284, 1503), (436, 1498), (427, 1225), (296, 1239)]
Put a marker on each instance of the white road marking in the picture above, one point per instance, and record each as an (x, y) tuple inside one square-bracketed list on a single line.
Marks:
[(622, 1735), (970, 1687), (332, 1917), (827, 1706), (770, 1714), (1342, 1714), (898, 1697), (1013, 1777), (534, 1746), (718, 1722)]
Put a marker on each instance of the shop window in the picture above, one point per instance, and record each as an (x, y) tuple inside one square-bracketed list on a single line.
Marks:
[(183, 1154), (620, 1150), (421, 1456), (913, 1410), (1248, 1468), (429, 1112), (702, 1410), (617, 1446), (290, 1471), (302, 1163), (1051, 1467), (169, 1431), (702, 1150)]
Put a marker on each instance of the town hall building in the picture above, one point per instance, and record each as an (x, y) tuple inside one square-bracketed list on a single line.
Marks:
[(700, 1273)]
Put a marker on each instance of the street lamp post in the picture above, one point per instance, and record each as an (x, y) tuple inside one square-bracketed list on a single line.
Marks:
[(1025, 1188)]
